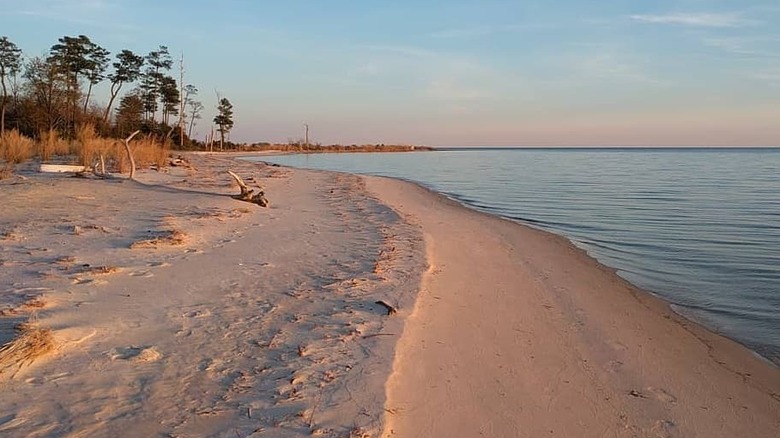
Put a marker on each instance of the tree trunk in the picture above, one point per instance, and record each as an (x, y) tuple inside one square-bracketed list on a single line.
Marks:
[(130, 153), (2, 109), (181, 102), (114, 93), (221, 139), (192, 123), (86, 100)]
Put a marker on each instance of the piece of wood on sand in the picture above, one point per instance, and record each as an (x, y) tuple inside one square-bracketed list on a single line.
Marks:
[(60, 168), (247, 193)]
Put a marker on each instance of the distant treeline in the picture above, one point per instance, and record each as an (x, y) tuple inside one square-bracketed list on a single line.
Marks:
[(318, 148)]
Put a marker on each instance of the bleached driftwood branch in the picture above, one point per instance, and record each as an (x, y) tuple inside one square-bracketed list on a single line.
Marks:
[(247, 193), (130, 153)]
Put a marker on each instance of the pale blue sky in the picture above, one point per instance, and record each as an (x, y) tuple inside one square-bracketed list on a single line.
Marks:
[(568, 72)]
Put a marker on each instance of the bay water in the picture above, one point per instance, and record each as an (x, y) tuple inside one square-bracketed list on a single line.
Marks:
[(697, 227)]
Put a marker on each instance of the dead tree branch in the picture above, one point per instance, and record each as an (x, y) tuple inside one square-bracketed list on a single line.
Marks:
[(247, 193), (130, 153)]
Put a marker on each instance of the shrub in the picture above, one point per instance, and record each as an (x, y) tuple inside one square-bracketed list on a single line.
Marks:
[(50, 144), (15, 148), (86, 144), (148, 151)]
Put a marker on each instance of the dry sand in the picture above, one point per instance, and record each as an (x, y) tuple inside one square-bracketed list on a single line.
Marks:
[(517, 333), (178, 311)]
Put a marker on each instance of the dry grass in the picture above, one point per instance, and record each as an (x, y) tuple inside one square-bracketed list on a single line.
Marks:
[(30, 343), (15, 147), (148, 151), (118, 157), (167, 238), (31, 304), (105, 149), (6, 171), (87, 141), (50, 144)]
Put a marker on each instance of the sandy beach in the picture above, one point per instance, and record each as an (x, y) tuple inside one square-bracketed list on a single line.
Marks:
[(178, 311)]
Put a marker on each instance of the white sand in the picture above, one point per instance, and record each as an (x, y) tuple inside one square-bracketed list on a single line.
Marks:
[(263, 322)]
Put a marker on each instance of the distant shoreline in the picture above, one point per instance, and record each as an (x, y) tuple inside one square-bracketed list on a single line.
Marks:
[(335, 148), (601, 148)]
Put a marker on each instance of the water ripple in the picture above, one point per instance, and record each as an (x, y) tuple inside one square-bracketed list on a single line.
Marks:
[(700, 228)]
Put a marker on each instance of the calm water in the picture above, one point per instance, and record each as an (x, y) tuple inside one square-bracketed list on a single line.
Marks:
[(700, 227)]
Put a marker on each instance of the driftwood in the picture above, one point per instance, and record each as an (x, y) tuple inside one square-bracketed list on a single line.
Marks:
[(180, 162), (247, 193), (130, 153), (61, 168)]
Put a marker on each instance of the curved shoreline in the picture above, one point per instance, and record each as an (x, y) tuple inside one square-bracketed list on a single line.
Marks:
[(266, 319), (766, 350), (630, 364)]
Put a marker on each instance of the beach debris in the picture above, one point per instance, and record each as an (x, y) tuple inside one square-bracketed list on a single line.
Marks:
[(637, 394), (31, 343), (165, 237), (180, 161), (390, 309), (130, 153), (247, 193), (97, 270)]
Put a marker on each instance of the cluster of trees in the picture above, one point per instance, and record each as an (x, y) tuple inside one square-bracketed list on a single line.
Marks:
[(55, 92)]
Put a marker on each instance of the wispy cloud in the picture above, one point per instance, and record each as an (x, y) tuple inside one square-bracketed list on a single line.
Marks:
[(450, 90), (605, 63), (408, 51), (746, 46), (696, 19), (481, 31), (93, 13)]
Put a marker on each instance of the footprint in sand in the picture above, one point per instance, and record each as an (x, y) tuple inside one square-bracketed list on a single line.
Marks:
[(614, 366), (136, 354), (661, 394), (198, 313), (158, 264), (81, 281), (144, 274)]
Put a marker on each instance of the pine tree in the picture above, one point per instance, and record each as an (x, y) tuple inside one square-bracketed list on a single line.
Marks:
[(10, 63), (224, 119)]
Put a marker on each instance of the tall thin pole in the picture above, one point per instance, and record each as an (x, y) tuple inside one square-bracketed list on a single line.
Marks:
[(306, 134), (181, 101)]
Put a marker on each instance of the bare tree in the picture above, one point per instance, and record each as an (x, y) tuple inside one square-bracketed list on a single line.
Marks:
[(195, 108), (182, 100)]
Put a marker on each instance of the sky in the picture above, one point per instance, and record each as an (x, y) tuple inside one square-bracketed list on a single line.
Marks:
[(452, 73)]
